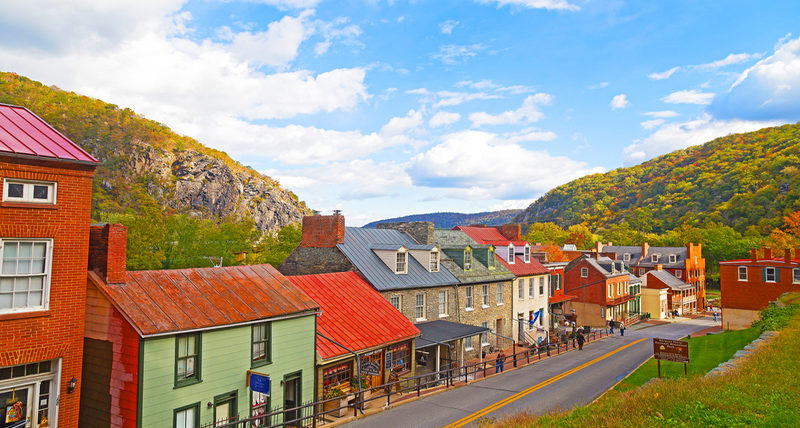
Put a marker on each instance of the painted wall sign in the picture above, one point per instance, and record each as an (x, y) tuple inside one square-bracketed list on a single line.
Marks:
[(371, 368), (671, 350)]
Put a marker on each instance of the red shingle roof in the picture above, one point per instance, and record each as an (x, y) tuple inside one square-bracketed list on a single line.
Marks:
[(353, 313), (490, 235), (24, 133), (163, 301)]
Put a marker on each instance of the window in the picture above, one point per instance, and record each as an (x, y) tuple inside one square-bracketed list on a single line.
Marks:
[(490, 259), (396, 302), (443, 303), (485, 334), (187, 417), (521, 284), (24, 275), (673, 258), (400, 266), (262, 351), (485, 295), (619, 288), (419, 308), (558, 281), (187, 359), (626, 257), (468, 259), (499, 294), (468, 300), (770, 274), (468, 343), (541, 286), (795, 275), (434, 266), (742, 273), (654, 258), (678, 273), (610, 290), (338, 374), (584, 272), (531, 291), (511, 254), (38, 192), (602, 312), (400, 356), (541, 317), (527, 254)]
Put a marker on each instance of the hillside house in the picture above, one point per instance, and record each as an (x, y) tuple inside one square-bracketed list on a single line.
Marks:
[(748, 285), (44, 234), (176, 347), (681, 296), (602, 289)]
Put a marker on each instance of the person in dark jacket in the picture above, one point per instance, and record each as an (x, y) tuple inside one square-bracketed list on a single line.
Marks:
[(611, 327), (500, 362), (581, 339)]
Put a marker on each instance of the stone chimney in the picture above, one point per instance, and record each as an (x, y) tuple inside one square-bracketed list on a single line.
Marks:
[(512, 231), (107, 250), (322, 231), (768, 252), (659, 267), (645, 248), (421, 231), (754, 255)]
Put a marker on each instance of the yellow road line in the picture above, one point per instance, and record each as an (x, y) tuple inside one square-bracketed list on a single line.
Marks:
[(463, 421)]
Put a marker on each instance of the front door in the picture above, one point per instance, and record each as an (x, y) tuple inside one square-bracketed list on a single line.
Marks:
[(292, 398), (499, 330), (376, 357), (16, 410)]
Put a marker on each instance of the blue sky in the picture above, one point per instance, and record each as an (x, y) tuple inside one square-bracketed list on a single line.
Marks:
[(388, 108)]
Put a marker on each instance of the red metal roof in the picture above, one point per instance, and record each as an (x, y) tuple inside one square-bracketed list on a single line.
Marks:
[(24, 133), (163, 301), (492, 236), (353, 313)]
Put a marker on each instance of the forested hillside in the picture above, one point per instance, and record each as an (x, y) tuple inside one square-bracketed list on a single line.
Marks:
[(449, 220), (745, 181)]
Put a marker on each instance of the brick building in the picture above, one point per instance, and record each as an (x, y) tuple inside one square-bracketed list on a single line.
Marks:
[(748, 285), (681, 296), (602, 289), (44, 233)]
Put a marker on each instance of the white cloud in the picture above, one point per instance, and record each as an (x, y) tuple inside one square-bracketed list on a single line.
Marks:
[(453, 164), (400, 126), (349, 180), (443, 118), (447, 27), (511, 204), (448, 98), (536, 4), (276, 47), (337, 30), (619, 102), (674, 136), (455, 54), (692, 96), (288, 4), (728, 60), (531, 135), (600, 85), (664, 74), (527, 112), (770, 89), (652, 123), (662, 114)]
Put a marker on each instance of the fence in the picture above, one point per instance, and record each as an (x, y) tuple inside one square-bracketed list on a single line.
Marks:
[(318, 412)]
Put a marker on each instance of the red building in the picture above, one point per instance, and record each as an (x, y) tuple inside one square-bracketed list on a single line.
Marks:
[(681, 296), (602, 287), (44, 234), (748, 285)]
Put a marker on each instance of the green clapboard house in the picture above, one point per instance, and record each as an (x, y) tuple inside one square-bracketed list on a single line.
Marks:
[(173, 348)]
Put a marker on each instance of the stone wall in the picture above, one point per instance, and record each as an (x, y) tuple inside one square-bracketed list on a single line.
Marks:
[(421, 231), (309, 261)]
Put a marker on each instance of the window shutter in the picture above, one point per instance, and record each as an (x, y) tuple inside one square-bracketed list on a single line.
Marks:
[(777, 275), (764, 274)]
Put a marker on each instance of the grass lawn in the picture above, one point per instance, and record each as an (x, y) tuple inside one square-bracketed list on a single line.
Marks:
[(705, 353), (713, 294)]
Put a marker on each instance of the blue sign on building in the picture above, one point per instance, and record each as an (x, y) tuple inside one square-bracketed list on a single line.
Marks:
[(259, 383)]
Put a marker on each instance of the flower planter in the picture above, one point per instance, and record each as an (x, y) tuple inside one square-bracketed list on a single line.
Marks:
[(338, 407)]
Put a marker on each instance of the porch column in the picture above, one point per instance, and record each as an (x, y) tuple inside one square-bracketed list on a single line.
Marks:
[(438, 364)]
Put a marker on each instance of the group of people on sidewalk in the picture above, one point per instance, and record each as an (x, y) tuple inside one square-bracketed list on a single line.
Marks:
[(611, 325)]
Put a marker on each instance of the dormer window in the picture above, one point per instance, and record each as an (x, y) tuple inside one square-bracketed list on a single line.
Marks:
[(401, 265), (673, 258), (511, 254), (527, 254), (434, 265), (490, 259), (654, 258), (468, 259), (626, 257)]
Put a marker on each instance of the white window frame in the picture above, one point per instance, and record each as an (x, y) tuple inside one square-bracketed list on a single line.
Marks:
[(399, 305), (184, 413), (795, 276), (626, 257), (678, 273), (434, 262), (443, 304), (521, 292), (767, 272), (510, 257), (499, 294), (47, 274), (654, 258), (742, 270), (531, 289), (541, 286), (527, 254), (485, 295), (468, 259), (610, 290), (584, 272), (469, 298), (485, 334), (401, 263), (27, 191), (419, 309), (673, 258)]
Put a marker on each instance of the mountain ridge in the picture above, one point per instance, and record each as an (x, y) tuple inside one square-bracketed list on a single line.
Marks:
[(447, 220)]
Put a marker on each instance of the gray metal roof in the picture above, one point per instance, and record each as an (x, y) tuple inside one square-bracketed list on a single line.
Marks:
[(636, 255), (669, 279), (453, 239), (453, 242), (357, 247), (440, 331), (387, 247)]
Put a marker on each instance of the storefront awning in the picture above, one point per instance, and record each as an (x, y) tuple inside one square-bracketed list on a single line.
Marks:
[(563, 298), (438, 332)]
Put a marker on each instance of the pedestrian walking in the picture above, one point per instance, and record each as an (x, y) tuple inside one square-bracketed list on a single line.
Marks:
[(611, 327), (499, 363), (622, 329), (581, 339)]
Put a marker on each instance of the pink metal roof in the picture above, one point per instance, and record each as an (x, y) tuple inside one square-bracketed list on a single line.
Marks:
[(490, 235), (163, 301), (24, 133), (353, 313)]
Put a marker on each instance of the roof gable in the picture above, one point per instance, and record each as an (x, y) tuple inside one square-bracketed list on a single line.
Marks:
[(25, 134)]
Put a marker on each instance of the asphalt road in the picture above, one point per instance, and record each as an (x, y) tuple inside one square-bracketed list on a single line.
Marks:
[(571, 379)]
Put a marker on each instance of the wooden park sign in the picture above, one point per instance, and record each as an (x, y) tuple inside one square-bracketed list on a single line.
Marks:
[(671, 350)]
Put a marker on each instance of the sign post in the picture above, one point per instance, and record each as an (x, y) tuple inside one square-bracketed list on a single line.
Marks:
[(671, 350)]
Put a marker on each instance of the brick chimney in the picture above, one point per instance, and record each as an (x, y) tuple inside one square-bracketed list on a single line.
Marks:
[(107, 250), (512, 231), (322, 231), (754, 255), (645, 248), (420, 231), (797, 253), (767, 252), (598, 247), (659, 267), (787, 255)]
